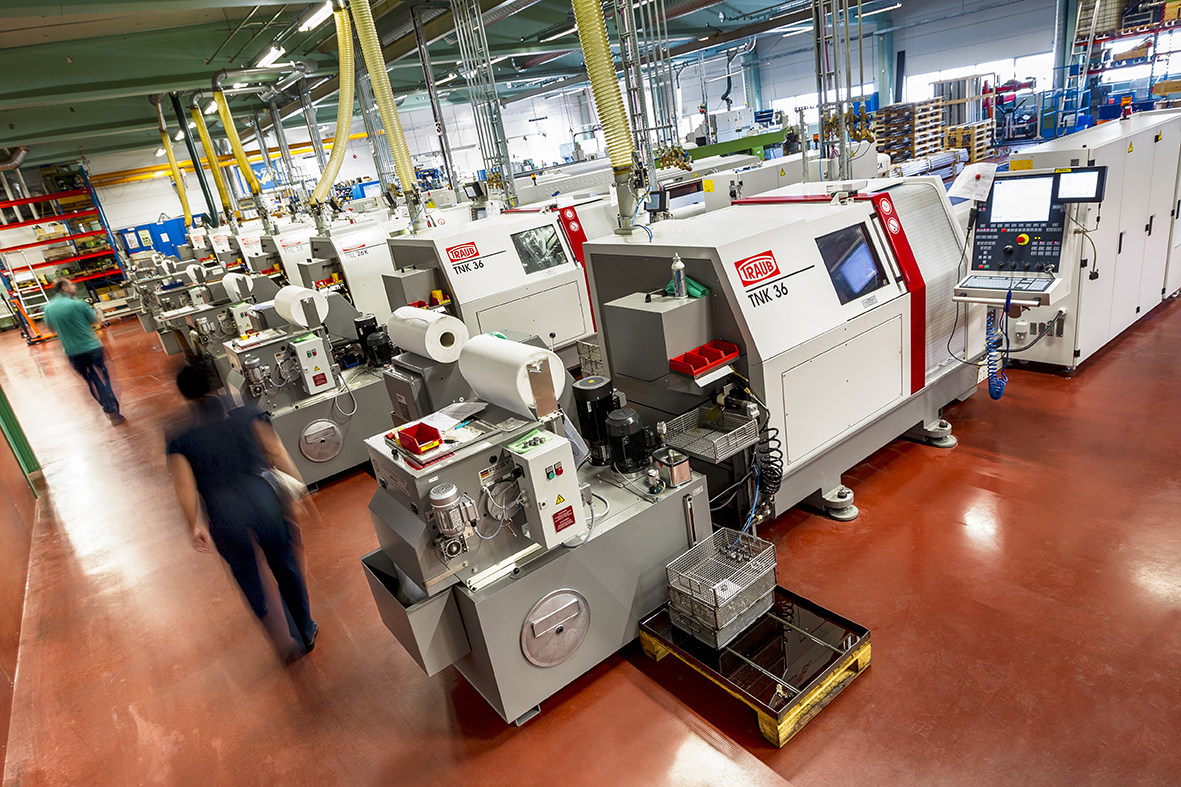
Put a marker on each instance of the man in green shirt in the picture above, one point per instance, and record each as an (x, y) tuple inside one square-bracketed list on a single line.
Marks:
[(73, 321)]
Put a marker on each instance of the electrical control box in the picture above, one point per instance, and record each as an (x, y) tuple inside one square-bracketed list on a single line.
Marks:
[(241, 315), (550, 484), (314, 362)]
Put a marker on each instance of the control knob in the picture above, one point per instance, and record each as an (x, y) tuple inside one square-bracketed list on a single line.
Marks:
[(1008, 250)]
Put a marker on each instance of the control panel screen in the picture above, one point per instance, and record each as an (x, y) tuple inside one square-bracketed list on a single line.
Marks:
[(539, 249), (1080, 185), (852, 265), (1022, 201)]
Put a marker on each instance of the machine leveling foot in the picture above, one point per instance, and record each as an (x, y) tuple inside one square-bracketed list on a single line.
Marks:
[(838, 504), (936, 433)]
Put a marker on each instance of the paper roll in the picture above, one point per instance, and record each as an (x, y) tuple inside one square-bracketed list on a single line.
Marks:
[(238, 285), (498, 371), (196, 273), (287, 304), (433, 334)]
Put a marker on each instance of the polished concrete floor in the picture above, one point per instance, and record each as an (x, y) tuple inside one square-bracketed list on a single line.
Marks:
[(1024, 592)]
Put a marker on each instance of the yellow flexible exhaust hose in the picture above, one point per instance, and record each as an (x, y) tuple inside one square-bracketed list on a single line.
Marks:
[(227, 120), (176, 177), (211, 157), (600, 67), (379, 78), (344, 109)]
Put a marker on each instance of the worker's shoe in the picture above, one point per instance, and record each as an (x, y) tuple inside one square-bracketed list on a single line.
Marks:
[(116, 418)]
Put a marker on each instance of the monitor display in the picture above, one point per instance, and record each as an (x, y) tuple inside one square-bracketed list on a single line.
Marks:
[(852, 264), (1021, 200), (1081, 185), (539, 249)]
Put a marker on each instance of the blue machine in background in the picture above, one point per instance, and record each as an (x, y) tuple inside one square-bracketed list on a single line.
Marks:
[(162, 236)]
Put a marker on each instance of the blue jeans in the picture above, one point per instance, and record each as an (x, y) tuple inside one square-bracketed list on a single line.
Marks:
[(93, 369)]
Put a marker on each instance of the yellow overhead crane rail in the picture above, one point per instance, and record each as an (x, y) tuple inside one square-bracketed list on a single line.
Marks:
[(123, 176)]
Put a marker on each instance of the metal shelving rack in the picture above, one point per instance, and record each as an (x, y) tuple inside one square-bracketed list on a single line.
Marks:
[(74, 204)]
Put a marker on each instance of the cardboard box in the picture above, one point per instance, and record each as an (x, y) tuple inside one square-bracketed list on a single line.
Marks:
[(1172, 12), (1166, 87)]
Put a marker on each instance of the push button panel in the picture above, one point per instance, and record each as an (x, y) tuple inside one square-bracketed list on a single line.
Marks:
[(1006, 247)]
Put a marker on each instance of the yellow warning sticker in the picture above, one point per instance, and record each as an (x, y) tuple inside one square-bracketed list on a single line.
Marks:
[(316, 369), (782, 172), (1129, 147), (1062, 169), (560, 500), (1022, 164), (708, 185)]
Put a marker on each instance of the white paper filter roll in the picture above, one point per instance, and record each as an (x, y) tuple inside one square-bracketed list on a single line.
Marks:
[(238, 285), (498, 371), (195, 272), (288, 306), (433, 334)]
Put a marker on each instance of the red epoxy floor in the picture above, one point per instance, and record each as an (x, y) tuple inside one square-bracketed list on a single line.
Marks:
[(1024, 591)]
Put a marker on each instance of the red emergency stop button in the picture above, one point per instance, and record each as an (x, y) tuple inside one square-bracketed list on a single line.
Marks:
[(1022, 239)]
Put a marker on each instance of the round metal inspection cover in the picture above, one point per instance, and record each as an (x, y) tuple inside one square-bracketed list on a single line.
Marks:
[(321, 441), (555, 627)]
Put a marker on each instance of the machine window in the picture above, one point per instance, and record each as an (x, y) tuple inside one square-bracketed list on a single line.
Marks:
[(852, 264), (539, 249)]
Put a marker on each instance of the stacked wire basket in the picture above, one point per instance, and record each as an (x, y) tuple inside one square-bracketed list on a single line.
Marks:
[(720, 587)]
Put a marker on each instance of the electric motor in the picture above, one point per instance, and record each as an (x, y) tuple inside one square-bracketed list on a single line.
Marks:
[(629, 441), (594, 400), (453, 510)]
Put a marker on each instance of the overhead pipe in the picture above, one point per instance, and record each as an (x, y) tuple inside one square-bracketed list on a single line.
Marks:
[(495, 15), (231, 208), (210, 205), (600, 67), (177, 179), (309, 119), (344, 114), (264, 149), (15, 160), (433, 93), (284, 150), (255, 74), (379, 80)]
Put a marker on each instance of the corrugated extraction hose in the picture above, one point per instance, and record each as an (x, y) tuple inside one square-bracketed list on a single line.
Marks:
[(600, 67), (214, 167), (344, 109), (379, 78), (227, 121), (176, 177)]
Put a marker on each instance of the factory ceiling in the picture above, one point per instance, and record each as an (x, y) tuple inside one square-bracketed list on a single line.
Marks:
[(78, 74)]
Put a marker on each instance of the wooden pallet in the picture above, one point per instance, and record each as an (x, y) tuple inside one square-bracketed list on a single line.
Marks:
[(778, 724)]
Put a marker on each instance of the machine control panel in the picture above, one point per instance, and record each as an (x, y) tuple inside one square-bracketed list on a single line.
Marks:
[(314, 362), (553, 504), (1020, 229)]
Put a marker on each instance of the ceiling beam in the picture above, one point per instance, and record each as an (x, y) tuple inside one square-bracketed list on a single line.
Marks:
[(70, 8)]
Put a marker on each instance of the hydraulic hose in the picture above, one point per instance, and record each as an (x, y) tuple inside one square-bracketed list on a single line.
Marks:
[(214, 167), (176, 178), (379, 78), (344, 109), (600, 67), (227, 120)]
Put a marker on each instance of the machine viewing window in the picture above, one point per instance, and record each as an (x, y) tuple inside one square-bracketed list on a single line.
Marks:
[(1021, 200), (539, 249), (852, 264)]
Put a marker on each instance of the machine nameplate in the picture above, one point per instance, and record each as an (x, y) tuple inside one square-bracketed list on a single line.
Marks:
[(495, 471)]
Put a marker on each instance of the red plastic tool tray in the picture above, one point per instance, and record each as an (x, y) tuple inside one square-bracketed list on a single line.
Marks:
[(706, 357), (419, 438)]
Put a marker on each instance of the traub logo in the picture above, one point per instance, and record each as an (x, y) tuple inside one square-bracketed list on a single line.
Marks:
[(758, 268), (462, 252)]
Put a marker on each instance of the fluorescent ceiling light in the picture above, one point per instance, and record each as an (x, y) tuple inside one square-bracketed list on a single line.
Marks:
[(791, 33), (559, 34), (500, 59), (159, 152), (703, 38), (317, 18), (180, 134), (210, 108), (882, 10), (239, 85), (192, 124), (270, 57), (447, 79)]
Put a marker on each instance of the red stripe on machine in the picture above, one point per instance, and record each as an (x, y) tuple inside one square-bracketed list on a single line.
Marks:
[(896, 236)]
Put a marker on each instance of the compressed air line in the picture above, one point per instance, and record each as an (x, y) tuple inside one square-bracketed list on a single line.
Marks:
[(600, 67), (176, 177), (214, 167), (379, 79), (344, 109), (227, 121)]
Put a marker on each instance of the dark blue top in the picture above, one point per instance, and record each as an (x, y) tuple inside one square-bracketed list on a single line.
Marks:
[(227, 460)]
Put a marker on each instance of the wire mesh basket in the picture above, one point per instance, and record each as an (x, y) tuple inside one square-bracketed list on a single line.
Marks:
[(716, 581), (718, 639), (711, 434)]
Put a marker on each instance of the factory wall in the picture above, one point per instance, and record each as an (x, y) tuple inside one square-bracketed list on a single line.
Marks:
[(17, 513)]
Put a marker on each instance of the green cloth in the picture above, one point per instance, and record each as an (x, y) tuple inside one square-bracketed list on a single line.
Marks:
[(695, 289), (73, 322)]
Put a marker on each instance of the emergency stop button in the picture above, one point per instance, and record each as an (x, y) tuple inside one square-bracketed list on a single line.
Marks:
[(1022, 239)]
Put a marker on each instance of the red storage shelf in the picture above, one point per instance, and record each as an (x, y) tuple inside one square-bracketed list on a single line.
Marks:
[(46, 264), (48, 241), (44, 198), (99, 275), (708, 356), (50, 219)]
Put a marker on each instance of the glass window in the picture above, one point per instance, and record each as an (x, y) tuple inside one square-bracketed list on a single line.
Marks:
[(539, 249), (852, 264)]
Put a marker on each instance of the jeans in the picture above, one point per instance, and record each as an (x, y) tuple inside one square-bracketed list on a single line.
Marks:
[(93, 369)]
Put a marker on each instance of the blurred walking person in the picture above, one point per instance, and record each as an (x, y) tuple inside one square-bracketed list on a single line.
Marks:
[(73, 321), (221, 459)]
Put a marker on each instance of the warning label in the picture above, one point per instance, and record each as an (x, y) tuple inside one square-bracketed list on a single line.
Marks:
[(320, 379), (563, 519), (560, 500)]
